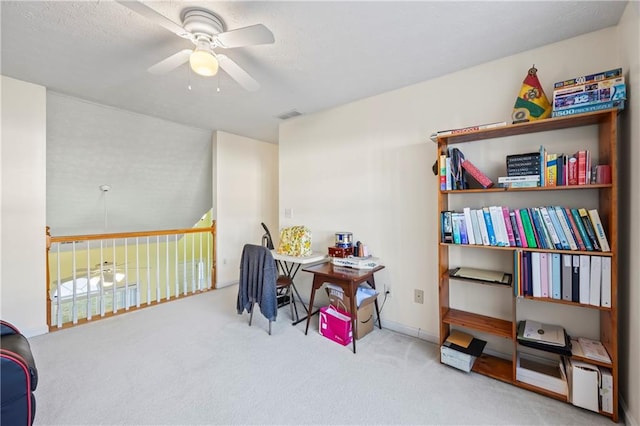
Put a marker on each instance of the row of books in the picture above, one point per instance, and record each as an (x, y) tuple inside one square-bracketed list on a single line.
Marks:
[(454, 170), (552, 227), (581, 279), (589, 93), (546, 169)]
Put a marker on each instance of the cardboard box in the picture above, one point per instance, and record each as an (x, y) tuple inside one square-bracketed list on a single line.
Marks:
[(543, 373), (590, 94), (456, 359), (335, 325), (365, 315)]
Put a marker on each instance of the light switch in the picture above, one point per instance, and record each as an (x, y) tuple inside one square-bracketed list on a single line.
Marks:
[(288, 213)]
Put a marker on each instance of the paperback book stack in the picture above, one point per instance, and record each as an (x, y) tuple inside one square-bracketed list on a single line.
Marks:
[(523, 171), (589, 93)]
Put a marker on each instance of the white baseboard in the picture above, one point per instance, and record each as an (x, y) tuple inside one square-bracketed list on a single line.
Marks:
[(32, 332), (628, 418), (226, 284), (410, 331)]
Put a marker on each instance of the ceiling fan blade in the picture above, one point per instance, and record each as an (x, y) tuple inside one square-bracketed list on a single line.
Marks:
[(237, 73), (144, 10), (170, 63), (247, 36)]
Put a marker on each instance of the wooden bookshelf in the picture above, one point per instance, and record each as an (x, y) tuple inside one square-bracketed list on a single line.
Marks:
[(604, 196)]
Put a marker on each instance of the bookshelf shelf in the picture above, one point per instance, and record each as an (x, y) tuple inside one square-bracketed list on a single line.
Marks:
[(485, 324), (497, 368), (602, 197), (565, 302), (588, 253), (537, 188)]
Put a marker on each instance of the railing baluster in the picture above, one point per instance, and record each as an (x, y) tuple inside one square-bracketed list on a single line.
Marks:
[(166, 261), (89, 309), (200, 265), (148, 274), (74, 306), (137, 273), (175, 243), (101, 294), (157, 268), (193, 264), (126, 274), (114, 278), (58, 292), (184, 262)]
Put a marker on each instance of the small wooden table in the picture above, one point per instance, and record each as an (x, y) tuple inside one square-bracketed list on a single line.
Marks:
[(346, 278)]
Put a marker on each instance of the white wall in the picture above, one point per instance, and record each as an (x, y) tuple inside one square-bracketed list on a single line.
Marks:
[(629, 248), (247, 194), (365, 167), (23, 206)]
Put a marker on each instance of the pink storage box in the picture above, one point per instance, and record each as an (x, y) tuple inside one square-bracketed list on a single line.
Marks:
[(335, 325)]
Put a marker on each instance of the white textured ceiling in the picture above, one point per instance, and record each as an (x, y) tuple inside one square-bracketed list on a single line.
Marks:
[(325, 54)]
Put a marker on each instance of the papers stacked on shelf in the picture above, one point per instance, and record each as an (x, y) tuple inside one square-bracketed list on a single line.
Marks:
[(543, 333), (546, 337), (591, 349)]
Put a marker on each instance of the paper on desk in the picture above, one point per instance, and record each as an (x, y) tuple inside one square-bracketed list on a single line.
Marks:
[(460, 338)]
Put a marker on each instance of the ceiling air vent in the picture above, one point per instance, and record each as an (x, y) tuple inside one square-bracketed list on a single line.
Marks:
[(289, 114)]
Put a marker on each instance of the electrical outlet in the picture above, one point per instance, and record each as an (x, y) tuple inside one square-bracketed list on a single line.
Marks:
[(418, 296), (387, 289)]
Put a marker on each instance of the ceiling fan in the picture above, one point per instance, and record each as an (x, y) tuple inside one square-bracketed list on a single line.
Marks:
[(105, 273), (206, 31)]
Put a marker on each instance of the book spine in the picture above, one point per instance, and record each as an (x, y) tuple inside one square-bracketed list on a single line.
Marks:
[(575, 232), (480, 177), (564, 239), (566, 228), (498, 226), (538, 228), (542, 155), (575, 278), (572, 171), (507, 222), (584, 216), (447, 227), (455, 223), (528, 228), (585, 279), (464, 235), (599, 230), (469, 225), (514, 228), (525, 178), (523, 236), (483, 227), (544, 275), (477, 234), (556, 280), (443, 172), (581, 229), (449, 174), (552, 168), (453, 132), (582, 167), (489, 223), (548, 224)]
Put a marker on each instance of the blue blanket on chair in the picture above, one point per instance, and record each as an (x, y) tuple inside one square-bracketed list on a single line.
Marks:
[(258, 275)]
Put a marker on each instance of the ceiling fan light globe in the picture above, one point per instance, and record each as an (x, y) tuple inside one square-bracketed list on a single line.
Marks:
[(203, 63)]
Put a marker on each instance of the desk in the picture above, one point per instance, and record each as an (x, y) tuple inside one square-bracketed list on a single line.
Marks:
[(290, 266), (348, 279)]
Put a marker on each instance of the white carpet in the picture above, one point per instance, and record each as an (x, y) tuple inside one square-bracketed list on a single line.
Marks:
[(195, 361)]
